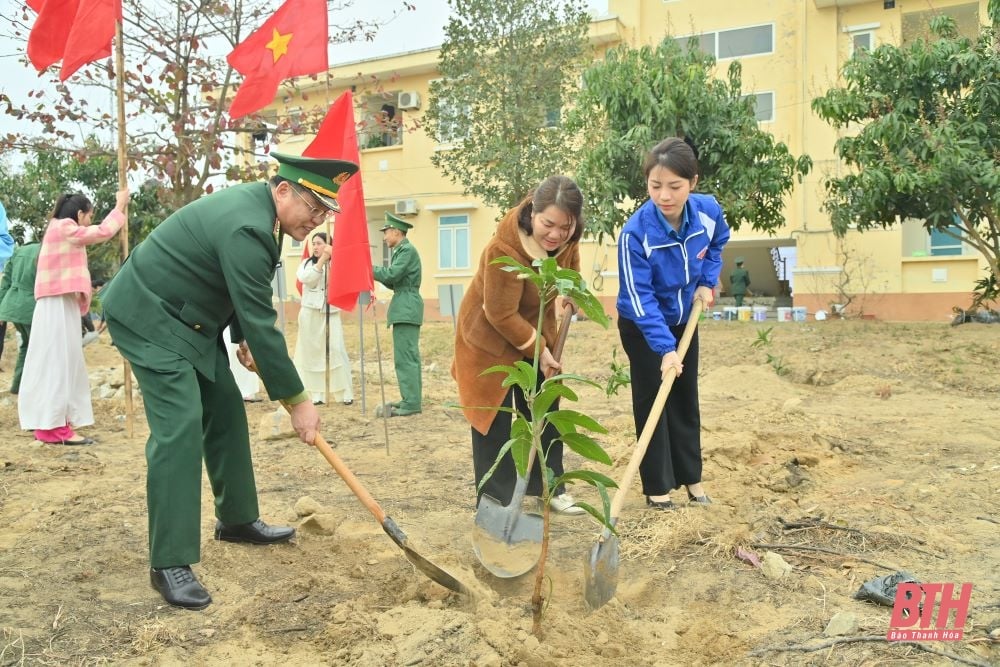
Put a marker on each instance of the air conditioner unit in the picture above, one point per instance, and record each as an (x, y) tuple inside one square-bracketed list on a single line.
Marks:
[(406, 207), (409, 99)]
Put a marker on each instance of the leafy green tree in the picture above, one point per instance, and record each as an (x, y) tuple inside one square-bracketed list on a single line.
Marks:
[(508, 70), (634, 98), (30, 193), (927, 140), (178, 87)]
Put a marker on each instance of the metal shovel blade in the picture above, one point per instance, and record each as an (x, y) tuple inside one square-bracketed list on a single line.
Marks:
[(421, 563), (601, 571), (507, 541)]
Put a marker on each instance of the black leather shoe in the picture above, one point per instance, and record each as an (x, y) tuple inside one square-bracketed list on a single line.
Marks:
[(663, 505), (180, 587), (257, 532)]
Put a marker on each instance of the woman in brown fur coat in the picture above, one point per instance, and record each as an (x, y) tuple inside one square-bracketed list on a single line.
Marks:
[(496, 325)]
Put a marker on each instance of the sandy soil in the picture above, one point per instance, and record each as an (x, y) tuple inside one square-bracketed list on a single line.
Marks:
[(878, 440)]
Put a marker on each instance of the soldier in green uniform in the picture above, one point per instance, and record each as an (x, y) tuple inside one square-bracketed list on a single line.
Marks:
[(739, 282), (207, 266), (17, 300), (406, 314)]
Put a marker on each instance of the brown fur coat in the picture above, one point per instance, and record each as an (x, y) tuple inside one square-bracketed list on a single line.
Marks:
[(497, 319)]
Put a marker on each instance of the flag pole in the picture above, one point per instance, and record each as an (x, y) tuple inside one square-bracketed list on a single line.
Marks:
[(122, 184)]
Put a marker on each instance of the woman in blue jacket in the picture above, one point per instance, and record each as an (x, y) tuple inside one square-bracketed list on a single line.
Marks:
[(669, 254)]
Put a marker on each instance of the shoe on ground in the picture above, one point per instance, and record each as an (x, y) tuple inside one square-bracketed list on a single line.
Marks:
[(396, 411), (662, 505), (256, 532), (349, 401), (565, 505), (90, 337), (179, 587), (699, 500)]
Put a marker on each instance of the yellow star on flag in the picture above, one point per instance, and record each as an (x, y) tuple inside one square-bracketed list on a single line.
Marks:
[(278, 44)]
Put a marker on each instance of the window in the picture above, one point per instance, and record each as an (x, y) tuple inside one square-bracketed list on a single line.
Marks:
[(734, 43), (862, 41), (553, 117), (763, 104), (942, 244), (916, 25), (453, 241), (381, 121)]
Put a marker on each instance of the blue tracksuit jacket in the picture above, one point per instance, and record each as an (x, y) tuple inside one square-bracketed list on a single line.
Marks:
[(659, 269)]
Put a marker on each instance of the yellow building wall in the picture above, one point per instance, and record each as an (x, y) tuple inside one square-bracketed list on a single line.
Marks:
[(812, 40)]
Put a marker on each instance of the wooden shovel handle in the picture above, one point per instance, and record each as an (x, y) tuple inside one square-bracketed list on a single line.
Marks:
[(654, 414), (353, 483)]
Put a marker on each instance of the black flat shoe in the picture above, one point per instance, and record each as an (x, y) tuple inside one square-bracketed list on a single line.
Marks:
[(179, 587), (349, 401), (257, 532), (71, 443), (662, 505), (699, 500)]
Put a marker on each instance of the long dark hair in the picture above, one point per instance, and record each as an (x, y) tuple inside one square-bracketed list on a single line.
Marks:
[(312, 258), (71, 206), (676, 154), (559, 191)]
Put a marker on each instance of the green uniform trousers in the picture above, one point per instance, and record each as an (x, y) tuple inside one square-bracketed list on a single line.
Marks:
[(189, 419), (406, 357), (25, 331)]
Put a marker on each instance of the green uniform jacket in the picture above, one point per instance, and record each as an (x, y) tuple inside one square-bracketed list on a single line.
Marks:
[(17, 290), (402, 276), (208, 265), (739, 281)]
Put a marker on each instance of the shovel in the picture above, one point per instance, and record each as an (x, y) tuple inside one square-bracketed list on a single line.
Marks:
[(601, 567), (507, 541), (388, 525)]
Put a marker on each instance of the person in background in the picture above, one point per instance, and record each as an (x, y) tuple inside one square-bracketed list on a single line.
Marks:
[(739, 282), (669, 254), (17, 300), (54, 395), (405, 316), (496, 325), (310, 345), (247, 381), (6, 250), (208, 266), (90, 333)]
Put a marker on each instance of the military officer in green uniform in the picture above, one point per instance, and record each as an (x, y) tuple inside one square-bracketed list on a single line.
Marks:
[(17, 299), (406, 314), (739, 282), (210, 265)]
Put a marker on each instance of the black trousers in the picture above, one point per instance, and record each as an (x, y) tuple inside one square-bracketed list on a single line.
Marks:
[(673, 458), (485, 448)]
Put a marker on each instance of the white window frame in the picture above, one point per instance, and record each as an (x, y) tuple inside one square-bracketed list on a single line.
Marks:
[(451, 228), (853, 31), (715, 38), (763, 92), (451, 140)]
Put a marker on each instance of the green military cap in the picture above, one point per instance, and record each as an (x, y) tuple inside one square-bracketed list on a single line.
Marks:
[(395, 223), (739, 260), (321, 176)]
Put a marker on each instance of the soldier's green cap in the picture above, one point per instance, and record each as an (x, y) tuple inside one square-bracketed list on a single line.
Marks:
[(739, 260), (395, 223), (323, 177)]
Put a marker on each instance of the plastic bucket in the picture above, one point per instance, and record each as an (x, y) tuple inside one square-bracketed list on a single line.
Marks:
[(784, 314), (760, 313), (729, 313), (799, 314), (744, 313)]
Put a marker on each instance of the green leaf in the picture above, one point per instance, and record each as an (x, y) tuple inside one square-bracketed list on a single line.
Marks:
[(586, 447), (549, 393), (567, 421), (588, 476)]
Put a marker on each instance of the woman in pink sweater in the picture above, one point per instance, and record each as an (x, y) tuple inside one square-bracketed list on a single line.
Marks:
[(55, 388)]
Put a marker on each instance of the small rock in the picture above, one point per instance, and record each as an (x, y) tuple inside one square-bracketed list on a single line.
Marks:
[(207, 632), (489, 659), (357, 572), (774, 566), (305, 506), (843, 623), (105, 391), (320, 524), (792, 406), (602, 638)]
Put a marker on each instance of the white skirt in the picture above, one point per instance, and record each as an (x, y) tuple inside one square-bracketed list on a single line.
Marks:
[(247, 381), (55, 389), (310, 356)]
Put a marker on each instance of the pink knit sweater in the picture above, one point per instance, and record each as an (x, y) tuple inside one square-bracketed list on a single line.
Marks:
[(62, 261)]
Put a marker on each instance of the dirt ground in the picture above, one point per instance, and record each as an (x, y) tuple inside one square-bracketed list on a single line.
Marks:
[(872, 444)]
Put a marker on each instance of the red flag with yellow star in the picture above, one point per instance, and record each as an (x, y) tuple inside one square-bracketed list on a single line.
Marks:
[(293, 42)]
